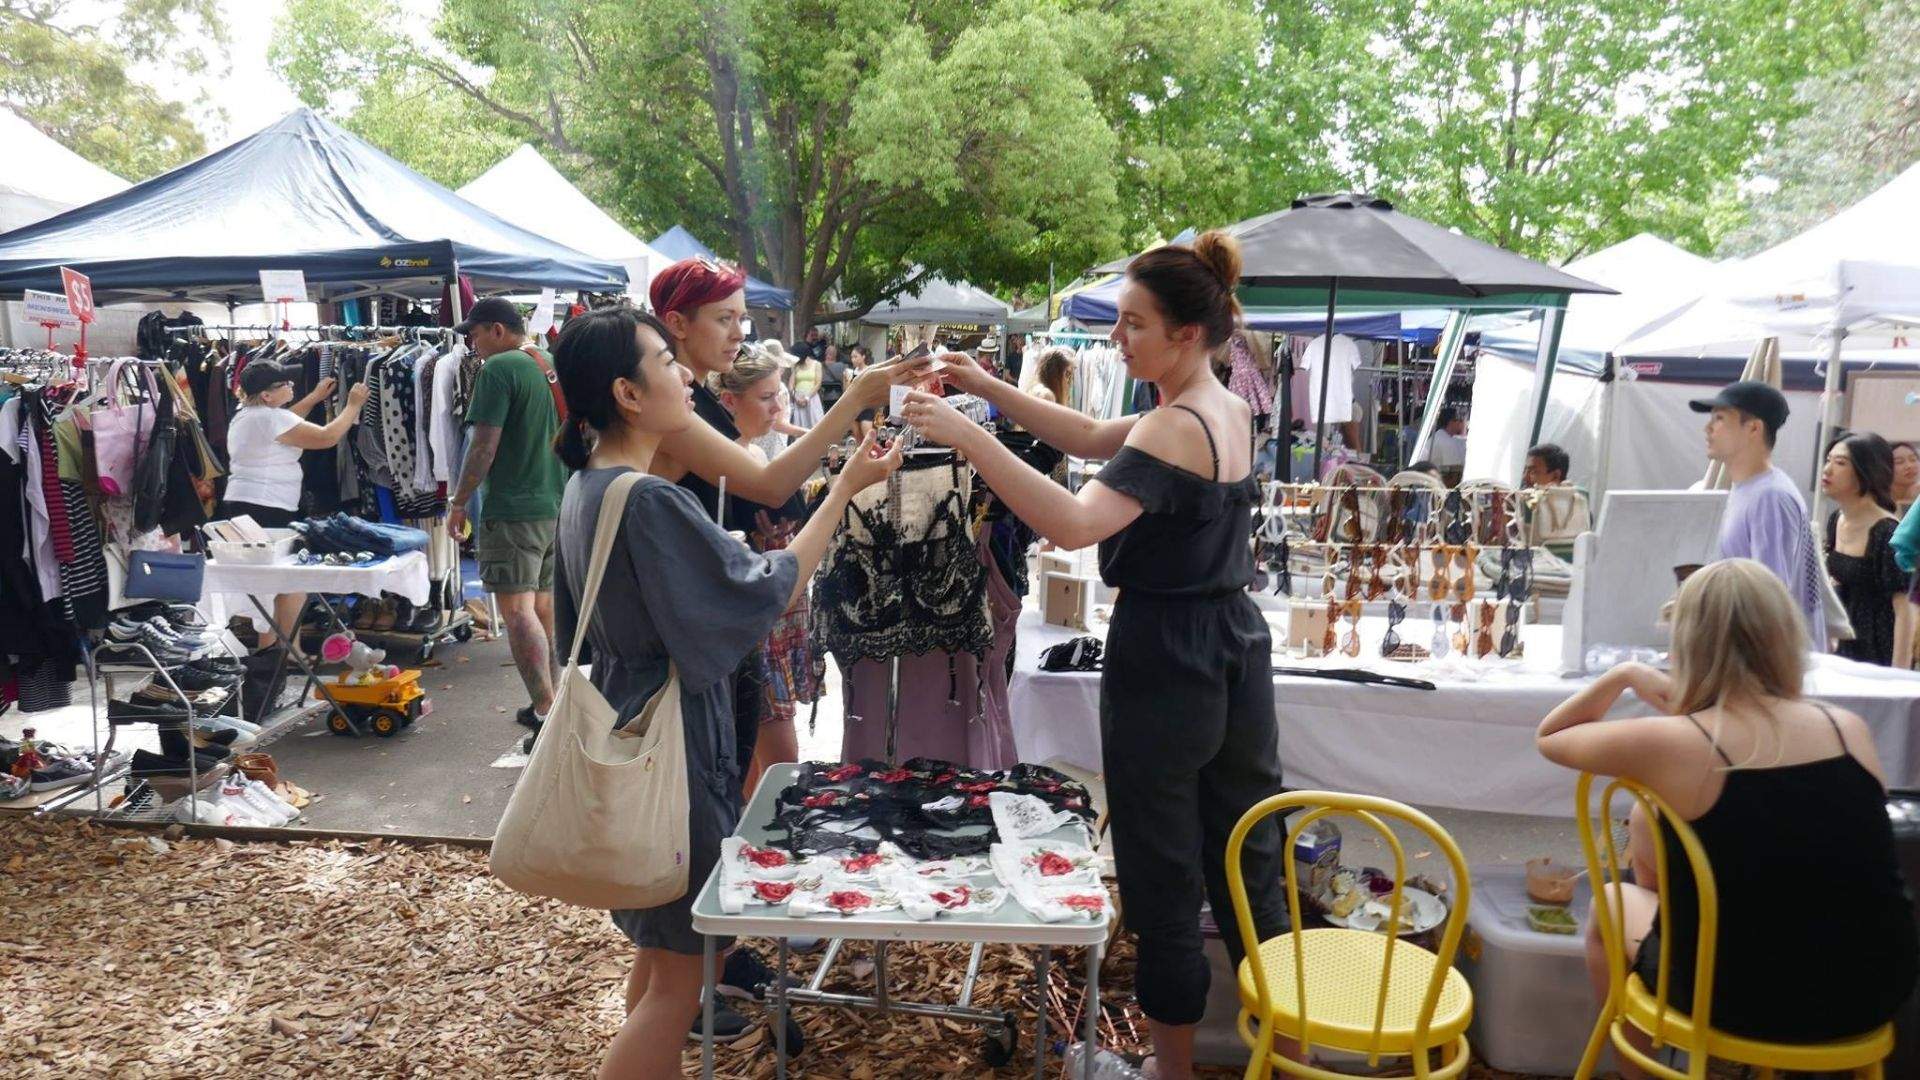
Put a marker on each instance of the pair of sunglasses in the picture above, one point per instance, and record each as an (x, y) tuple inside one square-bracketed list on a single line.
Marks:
[(1396, 613), (1510, 637)]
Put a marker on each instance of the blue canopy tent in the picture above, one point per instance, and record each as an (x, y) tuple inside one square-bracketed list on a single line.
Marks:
[(677, 243), (302, 194)]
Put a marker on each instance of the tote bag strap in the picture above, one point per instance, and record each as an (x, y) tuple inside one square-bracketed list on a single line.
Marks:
[(613, 507)]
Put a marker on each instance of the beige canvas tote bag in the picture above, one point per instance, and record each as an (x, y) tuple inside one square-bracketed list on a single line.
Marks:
[(599, 818)]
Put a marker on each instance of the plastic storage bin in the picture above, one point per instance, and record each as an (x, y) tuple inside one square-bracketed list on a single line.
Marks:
[(1532, 1006), (278, 549)]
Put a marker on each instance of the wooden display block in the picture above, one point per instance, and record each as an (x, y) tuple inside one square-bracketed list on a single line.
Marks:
[(1068, 599)]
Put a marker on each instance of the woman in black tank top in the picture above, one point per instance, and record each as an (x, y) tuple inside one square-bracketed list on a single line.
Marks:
[(1816, 939), (1188, 736)]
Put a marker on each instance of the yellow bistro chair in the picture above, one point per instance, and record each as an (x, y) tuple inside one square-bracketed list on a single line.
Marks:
[(1370, 992), (1630, 1002)]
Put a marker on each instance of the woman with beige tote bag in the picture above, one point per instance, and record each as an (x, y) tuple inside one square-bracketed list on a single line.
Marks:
[(680, 604)]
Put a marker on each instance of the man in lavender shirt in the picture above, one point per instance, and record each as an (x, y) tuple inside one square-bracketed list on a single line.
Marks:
[(1766, 517)]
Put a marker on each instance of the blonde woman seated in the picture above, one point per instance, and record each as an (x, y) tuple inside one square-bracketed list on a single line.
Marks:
[(1816, 938)]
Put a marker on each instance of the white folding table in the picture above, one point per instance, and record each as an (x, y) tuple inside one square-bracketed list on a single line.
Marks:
[(1008, 925)]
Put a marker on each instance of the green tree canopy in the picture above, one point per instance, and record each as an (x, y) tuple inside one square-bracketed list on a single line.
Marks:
[(830, 144), (66, 69), (1556, 127), (1861, 128)]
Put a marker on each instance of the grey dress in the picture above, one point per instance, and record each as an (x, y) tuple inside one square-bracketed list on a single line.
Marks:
[(676, 586)]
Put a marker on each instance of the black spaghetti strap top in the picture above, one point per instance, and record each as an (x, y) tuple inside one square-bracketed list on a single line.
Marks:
[(1191, 539), (1817, 938)]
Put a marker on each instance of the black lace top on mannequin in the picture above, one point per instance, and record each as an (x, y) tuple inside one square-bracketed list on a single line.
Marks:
[(903, 577)]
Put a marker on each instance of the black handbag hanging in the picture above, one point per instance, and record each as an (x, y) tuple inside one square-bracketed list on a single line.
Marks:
[(154, 467)]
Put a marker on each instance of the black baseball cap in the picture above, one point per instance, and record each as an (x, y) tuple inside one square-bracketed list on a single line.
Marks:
[(263, 375), (494, 309), (1756, 399)]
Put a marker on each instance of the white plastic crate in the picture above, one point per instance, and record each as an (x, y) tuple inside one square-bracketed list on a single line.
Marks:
[(1533, 1008)]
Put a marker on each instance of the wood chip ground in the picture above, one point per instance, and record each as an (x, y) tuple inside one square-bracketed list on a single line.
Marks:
[(127, 955)]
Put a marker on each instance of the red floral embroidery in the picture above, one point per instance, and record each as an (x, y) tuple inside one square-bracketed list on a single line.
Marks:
[(849, 900), (1085, 902), (977, 786), (943, 778), (773, 892), (977, 801), (1052, 864), (861, 863), (825, 798), (842, 773), (763, 857), (957, 898), (892, 776)]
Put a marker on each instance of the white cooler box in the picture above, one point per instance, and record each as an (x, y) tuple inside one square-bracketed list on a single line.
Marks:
[(1532, 1007)]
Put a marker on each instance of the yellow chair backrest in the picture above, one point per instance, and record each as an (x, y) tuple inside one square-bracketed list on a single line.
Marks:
[(1612, 917), (1370, 810)]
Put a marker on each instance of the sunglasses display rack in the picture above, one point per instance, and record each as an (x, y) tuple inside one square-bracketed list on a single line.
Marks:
[(1400, 545)]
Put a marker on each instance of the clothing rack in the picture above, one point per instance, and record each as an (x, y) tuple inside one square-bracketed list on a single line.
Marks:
[(414, 332)]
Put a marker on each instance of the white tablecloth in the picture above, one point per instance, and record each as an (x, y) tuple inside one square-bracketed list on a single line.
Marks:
[(1467, 744), (401, 575)]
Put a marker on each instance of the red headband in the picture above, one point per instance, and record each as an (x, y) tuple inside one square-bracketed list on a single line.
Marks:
[(690, 283)]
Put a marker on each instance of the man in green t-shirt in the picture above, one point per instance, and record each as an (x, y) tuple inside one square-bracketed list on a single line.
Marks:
[(510, 461)]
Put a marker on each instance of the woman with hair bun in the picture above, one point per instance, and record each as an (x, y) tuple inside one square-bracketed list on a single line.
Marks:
[(679, 596), (1186, 697)]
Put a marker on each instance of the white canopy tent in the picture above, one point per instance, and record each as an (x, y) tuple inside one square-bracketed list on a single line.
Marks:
[(1654, 278), (1849, 272), (1843, 291), (40, 178), (526, 190)]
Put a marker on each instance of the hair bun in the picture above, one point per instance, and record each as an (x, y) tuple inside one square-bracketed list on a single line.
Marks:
[(1221, 252)]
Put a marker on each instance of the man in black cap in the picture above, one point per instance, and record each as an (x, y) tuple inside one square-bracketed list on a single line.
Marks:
[(515, 415), (1766, 518)]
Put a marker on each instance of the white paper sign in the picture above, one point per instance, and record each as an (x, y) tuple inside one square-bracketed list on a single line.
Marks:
[(44, 308), (542, 319), (287, 285)]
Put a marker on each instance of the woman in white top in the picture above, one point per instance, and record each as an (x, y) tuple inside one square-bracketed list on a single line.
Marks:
[(264, 442)]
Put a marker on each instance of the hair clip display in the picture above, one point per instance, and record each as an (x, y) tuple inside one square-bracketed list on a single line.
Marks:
[(1440, 638), (1333, 618), (1458, 615), (1351, 644), (1510, 637)]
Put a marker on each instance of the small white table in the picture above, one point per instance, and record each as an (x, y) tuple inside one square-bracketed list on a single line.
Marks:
[(403, 575), (1008, 925)]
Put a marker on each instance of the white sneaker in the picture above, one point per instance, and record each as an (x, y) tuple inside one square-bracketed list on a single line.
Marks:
[(262, 798), (246, 802)]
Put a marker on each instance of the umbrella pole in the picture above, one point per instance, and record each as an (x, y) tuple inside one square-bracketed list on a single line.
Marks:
[(1827, 399), (1326, 379)]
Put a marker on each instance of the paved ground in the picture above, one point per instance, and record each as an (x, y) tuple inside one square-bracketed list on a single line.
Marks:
[(436, 778)]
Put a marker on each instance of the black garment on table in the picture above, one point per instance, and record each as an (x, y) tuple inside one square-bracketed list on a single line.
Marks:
[(898, 583), (1817, 938), (1187, 728), (1867, 585)]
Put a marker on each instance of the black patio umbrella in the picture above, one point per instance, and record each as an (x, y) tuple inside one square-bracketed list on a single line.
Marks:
[(1382, 259)]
